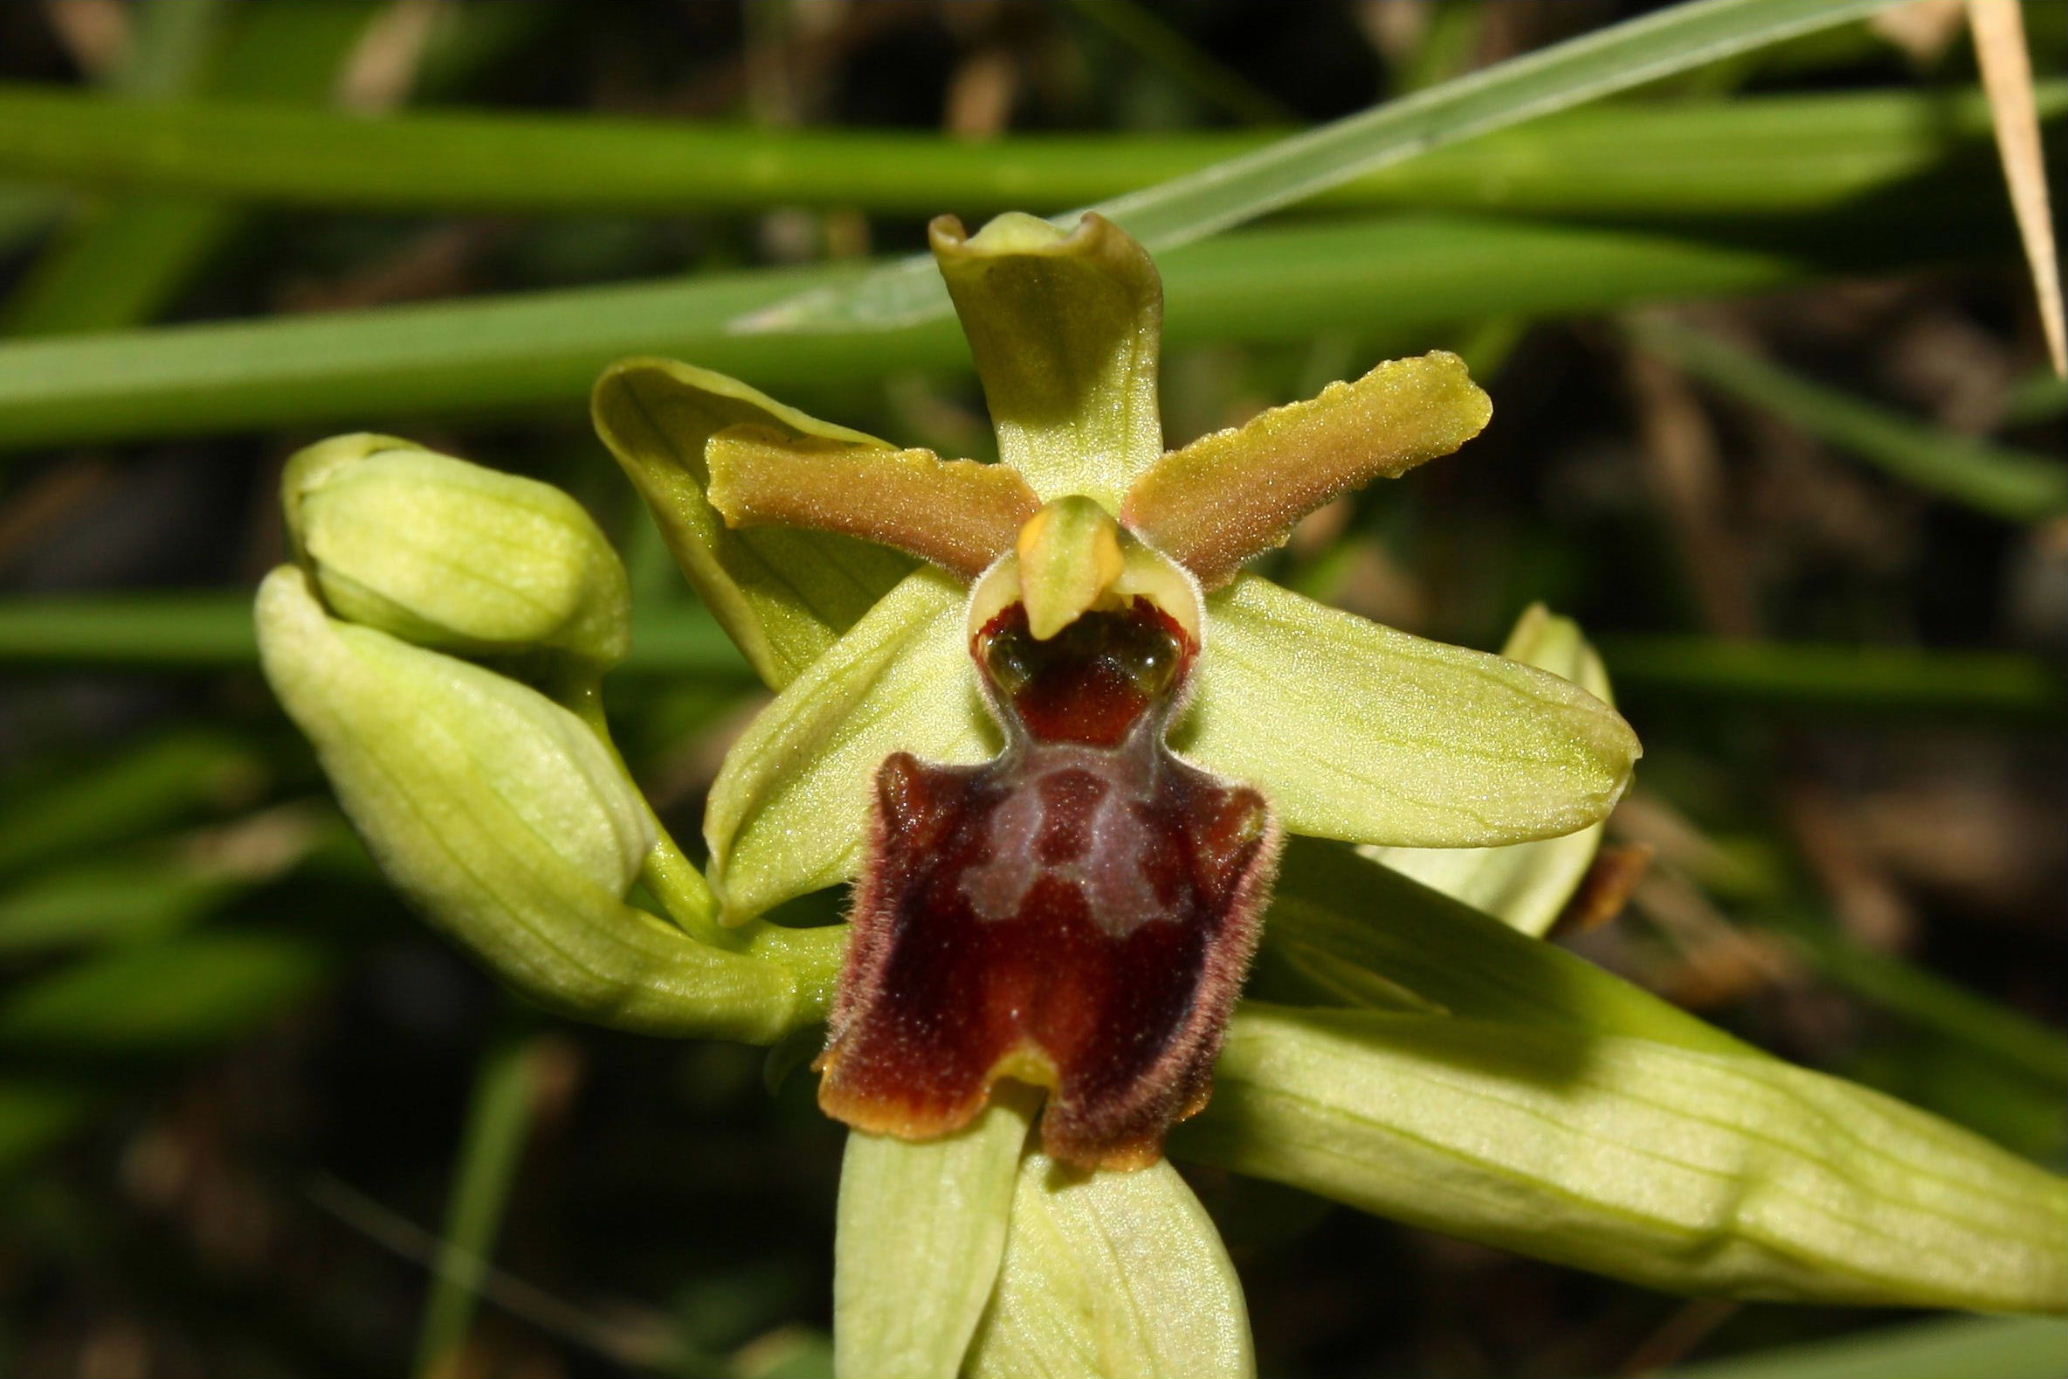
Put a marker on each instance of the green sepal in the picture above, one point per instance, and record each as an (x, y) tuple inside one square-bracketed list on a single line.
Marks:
[(1367, 734), (789, 810), (1717, 1173), (1066, 327), (921, 1229), (1525, 885), (1109, 1275), (450, 555), (499, 815), (783, 595)]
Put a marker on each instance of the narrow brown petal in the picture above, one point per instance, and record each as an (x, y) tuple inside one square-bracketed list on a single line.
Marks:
[(959, 514), (1237, 493)]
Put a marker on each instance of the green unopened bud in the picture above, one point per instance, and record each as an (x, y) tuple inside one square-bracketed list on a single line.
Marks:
[(501, 816), (447, 554)]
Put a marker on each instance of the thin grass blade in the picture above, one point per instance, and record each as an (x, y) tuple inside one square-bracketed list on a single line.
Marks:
[(1226, 194)]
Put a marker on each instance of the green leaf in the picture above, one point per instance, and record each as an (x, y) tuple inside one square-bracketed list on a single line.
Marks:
[(789, 810), (504, 820), (1360, 732), (1226, 194), (2000, 1347), (1066, 330), (508, 1081), (1748, 157), (1733, 1174), (536, 350), (783, 595), (1524, 884), (160, 1000), (1112, 1276), (921, 1229), (121, 260), (1345, 912)]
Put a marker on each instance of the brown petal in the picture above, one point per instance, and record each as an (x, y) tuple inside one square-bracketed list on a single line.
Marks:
[(959, 514), (1235, 494)]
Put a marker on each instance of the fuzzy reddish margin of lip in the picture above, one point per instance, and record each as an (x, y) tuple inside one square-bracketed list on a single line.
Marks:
[(1072, 915)]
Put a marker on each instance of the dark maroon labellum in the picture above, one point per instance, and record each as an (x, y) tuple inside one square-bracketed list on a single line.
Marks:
[(1077, 913)]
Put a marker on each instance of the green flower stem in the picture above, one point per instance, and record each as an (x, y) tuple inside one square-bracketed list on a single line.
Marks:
[(811, 957), (498, 1124), (667, 872), (1758, 156), (541, 350)]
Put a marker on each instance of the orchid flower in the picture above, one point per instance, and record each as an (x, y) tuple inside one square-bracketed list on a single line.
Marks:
[(1043, 716)]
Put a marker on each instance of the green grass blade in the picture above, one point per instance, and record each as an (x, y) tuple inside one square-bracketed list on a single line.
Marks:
[(121, 262), (122, 900), (161, 1000), (542, 349), (2039, 398), (1928, 1000), (1814, 678), (1215, 198), (130, 632), (1745, 159), (2012, 484), (212, 631), (170, 49), (498, 1124), (144, 786)]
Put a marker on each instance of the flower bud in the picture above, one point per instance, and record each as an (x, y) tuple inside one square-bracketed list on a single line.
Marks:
[(501, 816), (448, 554)]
